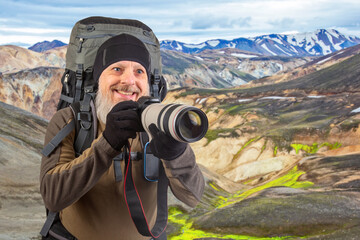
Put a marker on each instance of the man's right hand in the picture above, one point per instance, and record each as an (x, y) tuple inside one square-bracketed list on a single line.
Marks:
[(122, 123)]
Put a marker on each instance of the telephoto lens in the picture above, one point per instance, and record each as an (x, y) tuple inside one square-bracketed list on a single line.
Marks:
[(182, 122)]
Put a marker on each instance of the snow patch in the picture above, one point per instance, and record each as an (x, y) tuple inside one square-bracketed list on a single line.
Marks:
[(244, 100), (200, 100), (267, 49), (179, 47), (280, 66), (282, 50), (324, 60), (197, 57), (315, 96), (275, 98), (242, 55), (213, 43), (202, 45), (357, 110)]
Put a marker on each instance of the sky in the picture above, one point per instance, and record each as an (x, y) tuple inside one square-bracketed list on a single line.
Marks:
[(25, 23)]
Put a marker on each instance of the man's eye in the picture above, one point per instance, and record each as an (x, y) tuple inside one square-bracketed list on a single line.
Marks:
[(117, 69), (139, 71)]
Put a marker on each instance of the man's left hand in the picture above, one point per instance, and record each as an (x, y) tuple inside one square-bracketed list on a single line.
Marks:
[(164, 146)]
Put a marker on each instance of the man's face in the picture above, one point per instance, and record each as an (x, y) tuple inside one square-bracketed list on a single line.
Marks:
[(124, 80)]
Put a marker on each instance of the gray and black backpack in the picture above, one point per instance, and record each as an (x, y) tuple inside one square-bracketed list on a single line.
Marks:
[(79, 91)]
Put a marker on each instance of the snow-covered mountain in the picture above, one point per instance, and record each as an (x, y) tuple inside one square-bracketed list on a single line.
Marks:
[(320, 42)]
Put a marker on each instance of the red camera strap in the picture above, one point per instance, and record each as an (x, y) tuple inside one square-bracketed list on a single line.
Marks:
[(135, 206)]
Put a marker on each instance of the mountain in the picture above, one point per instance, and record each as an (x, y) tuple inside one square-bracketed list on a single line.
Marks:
[(181, 69), (308, 68), (14, 58), (46, 45), (254, 64), (318, 43)]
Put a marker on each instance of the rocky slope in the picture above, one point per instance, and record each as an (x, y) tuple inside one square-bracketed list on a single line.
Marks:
[(21, 139), (36, 90)]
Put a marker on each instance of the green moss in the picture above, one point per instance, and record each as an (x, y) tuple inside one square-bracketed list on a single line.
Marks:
[(211, 135), (177, 217), (275, 151), (186, 231), (263, 147), (314, 148), (288, 180), (244, 146)]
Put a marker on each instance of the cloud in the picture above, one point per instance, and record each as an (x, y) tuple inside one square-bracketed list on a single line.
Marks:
[(284, 23), (186, 20), (207, 22)]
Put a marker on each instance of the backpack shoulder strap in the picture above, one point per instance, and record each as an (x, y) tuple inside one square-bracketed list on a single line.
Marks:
[(51, 216), (52, 145), (86, 123)]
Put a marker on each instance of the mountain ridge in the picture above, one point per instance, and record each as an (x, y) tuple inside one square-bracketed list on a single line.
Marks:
[(317, 43)]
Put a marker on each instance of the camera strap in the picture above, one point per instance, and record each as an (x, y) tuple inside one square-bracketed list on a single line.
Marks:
[(134, 204)]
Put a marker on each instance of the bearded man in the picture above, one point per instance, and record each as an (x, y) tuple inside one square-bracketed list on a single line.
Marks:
[(84, 189)]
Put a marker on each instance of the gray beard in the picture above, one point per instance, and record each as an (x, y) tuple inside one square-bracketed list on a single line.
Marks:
[(103, 106)]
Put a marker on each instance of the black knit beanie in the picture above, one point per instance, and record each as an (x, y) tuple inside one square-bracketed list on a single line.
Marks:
[(118, 48)]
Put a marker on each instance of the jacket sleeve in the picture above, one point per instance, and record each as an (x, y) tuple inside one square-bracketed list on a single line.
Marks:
[(65, 178), (186, 180)]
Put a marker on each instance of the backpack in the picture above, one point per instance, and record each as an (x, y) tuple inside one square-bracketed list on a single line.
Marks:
[(79, 91), (86, 37), (77, 81)]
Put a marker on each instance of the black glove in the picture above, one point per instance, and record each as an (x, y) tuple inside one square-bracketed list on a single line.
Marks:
[(164, 146), (122, 123)]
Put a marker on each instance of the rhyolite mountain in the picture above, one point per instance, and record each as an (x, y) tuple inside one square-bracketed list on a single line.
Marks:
[(14, 58), (31, 80), (317, 43)]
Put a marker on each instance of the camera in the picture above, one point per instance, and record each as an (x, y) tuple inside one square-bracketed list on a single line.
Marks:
[(182, 122)]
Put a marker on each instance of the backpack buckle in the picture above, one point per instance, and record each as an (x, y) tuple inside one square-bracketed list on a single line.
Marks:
[(85, 120), (155, 83)]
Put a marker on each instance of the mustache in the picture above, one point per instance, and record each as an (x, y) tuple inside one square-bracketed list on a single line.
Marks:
[(126, 88)]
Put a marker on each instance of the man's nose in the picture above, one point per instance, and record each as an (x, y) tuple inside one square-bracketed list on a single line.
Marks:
[(128, 77)]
